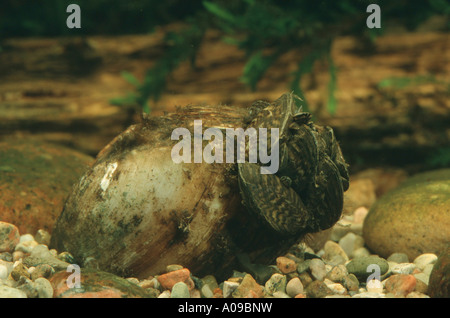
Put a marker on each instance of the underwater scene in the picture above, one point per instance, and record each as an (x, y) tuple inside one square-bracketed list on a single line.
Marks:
[(200, 150)]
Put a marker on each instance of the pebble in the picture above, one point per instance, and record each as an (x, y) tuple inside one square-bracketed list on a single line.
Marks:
[(43, 287), (42, 270), (3, 272), (428, 269), (294, 287), (133, 280), (317, 268), (417, 295), (279, 294), (26, 238), (369, 295), (422, 277), (286, 265), (195, 293), (351, 242), (334, 254), (42, 237), (393, 226), (350, 282), (95, 284), (10, 292), (41, 255), (403, 268), (400, 285), (17, 255), (165, 294), (398, 258), (359, 266), (169, 279), (303, 266), (361, 252), (425, 259), (9, 237), (228, 288), (6, 256), (26, 246), (156, 283), (420, 287), (66, 257), (180, 290), (337, 289), (360, 214), (338, 296), (19, 270), (218, 293), (152, 292), (248, 286), (374, 286), (206, 291), (211, 281), (277, 282), (173, 267), (305, 278), (318, 289), (337, 273)]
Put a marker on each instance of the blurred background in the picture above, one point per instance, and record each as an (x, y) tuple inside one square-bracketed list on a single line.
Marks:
[(384, 91)]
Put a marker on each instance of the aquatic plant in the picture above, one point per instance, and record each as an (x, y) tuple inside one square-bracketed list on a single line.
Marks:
[(264, 30), (267, 29)]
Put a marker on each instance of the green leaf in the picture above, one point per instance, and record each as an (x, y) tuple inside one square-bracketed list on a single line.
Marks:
[(304, 66), (130, 78), (332, 103), (129, 99), (255, 68), (146, 108), (220, 12)]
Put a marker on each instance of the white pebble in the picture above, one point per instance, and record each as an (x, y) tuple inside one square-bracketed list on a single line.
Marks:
[(403, 268), (369, 295), (337, 288), (361, 252), (3, 272), (279, 294), (165, 294), (26, 238), (374, 286), (428, 269), (318, 270), (360, 214), (351, 242), (423, 260), (328, 281), (229, 288), (294, 287)]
